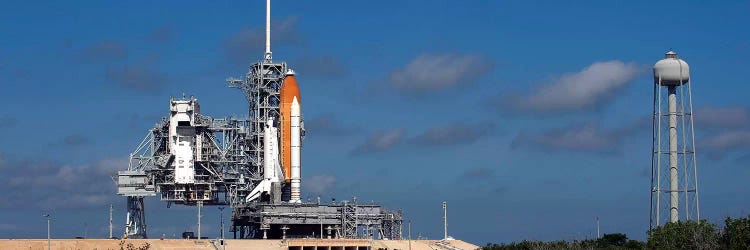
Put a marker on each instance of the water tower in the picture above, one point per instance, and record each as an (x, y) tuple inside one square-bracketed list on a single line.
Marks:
[(674, 174)]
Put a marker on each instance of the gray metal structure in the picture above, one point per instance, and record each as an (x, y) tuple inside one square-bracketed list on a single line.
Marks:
[(227, 168), (674, 172), (222, 175), (227, 161), (274, 218), (310, 220)]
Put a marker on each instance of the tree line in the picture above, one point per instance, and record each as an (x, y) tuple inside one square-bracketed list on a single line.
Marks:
[(698, 235)]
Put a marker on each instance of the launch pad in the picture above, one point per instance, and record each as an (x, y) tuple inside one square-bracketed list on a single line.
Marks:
[(252, 165), (311, 220)]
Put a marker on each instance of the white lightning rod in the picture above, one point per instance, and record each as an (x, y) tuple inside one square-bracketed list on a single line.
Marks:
[(268, 30)]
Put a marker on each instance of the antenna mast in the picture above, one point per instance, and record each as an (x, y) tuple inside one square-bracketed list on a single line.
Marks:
[(268, 31)]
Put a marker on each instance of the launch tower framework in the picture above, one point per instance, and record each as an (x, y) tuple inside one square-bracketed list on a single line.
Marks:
[(225, 163)]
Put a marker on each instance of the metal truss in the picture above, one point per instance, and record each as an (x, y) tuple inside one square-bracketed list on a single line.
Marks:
[(223, 173), (261, 87), (683, 134), (392, 225), (135, 225), (349, 220), (228, 165)]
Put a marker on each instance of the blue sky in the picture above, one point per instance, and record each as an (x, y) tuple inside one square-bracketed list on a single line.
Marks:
[(406, 103)]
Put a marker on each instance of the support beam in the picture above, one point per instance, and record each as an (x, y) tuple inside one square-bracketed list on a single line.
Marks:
[(110, 221), (135, 221), (199, 205)]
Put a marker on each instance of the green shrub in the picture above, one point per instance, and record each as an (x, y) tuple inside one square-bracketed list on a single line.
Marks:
[(684, 235), (736, 233)]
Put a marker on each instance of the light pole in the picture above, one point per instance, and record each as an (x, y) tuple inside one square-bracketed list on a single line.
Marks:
[(200, 204), (445, 220), (597, 227), (110, 221), (48, 235), (221, 214), (221, 218), (409, 234)]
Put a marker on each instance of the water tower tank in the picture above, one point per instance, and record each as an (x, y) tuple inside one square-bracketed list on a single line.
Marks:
[(672, 71)]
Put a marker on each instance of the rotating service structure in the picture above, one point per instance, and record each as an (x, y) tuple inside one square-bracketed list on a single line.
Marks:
[(187, 158), (253, 165)]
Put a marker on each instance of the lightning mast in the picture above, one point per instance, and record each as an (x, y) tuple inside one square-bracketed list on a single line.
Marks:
[(268, 57)]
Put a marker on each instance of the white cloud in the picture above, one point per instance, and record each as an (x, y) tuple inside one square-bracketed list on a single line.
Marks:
[(103, 52), (381, 141), (319, 184), (583, 90), (59, 185), (452, 134), (578, 138), (721, 143), (722, 117), (322, 66), (138, 78), (329, 124), (431, 73), (248, 42)]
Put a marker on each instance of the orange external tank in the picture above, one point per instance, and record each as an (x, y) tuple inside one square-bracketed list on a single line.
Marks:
[(289, 90)]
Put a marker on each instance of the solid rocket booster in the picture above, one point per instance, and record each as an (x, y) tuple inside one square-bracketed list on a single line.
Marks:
[(291, 141), (296, 148)]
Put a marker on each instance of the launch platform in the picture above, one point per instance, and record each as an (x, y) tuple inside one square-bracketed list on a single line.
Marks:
[(343, 220)]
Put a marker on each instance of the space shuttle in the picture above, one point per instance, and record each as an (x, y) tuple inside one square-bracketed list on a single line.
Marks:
[(271, 168)]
